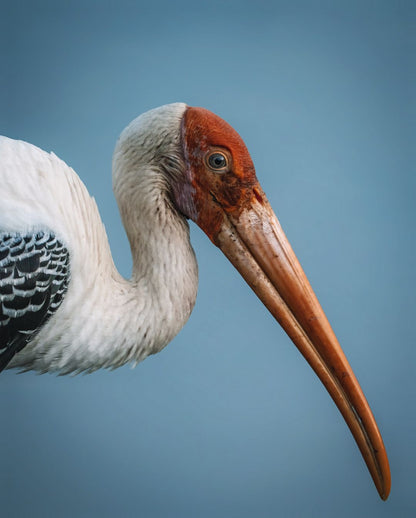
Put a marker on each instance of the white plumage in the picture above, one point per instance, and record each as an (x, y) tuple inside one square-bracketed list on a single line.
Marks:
[(105, 320)]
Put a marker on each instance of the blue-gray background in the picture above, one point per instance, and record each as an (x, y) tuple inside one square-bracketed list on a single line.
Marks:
[(228, 421)]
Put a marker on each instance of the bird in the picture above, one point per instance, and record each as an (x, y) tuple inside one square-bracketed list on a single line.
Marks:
[(64, 307)]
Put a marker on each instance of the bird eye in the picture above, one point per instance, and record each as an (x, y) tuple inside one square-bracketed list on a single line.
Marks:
[(217, 161)]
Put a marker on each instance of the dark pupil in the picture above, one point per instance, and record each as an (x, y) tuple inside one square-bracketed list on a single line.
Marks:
[(217, 161)]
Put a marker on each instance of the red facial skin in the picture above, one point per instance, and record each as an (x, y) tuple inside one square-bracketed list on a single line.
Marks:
[(215, 193)]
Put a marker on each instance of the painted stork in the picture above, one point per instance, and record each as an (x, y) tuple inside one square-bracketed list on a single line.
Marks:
[(65, 308)]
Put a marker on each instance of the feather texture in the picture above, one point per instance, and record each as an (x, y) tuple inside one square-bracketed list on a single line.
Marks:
[(34, 276), (105, 320)]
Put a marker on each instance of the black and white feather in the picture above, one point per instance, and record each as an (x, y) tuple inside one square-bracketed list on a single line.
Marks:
[(34, 276)]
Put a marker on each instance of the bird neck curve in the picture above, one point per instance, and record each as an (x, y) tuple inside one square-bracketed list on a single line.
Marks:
[(147, 162), (164, 280)]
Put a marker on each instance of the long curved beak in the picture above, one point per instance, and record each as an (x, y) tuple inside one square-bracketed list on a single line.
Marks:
[(255, 243)]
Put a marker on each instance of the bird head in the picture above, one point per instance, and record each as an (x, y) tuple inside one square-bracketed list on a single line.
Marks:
[(207, 172)]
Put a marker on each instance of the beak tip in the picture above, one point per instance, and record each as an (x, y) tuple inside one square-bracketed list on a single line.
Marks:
[(385, 493), (384, 486)]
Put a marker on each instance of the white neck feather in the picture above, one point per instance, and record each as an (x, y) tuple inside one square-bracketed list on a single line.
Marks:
[(105, 320)]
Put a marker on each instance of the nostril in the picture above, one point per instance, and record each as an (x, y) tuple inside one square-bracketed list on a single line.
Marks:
[(257, 194), (213, 196)]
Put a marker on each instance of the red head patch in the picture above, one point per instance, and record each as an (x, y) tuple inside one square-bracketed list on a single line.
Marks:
[(219, 169)]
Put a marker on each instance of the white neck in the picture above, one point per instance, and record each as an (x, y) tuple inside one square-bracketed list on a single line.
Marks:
[(165, 273), (106, 320)]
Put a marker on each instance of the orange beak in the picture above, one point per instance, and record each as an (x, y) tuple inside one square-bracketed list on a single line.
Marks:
[(230, 206), (256, 245)]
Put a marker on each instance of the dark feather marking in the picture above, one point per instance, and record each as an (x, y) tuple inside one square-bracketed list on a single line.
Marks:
[(34, 276)]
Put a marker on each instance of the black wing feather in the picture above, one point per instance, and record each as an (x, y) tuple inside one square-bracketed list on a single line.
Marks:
[(34, 276)]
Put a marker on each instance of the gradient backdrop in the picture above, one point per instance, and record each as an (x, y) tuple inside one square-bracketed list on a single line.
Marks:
[(229, 421)]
